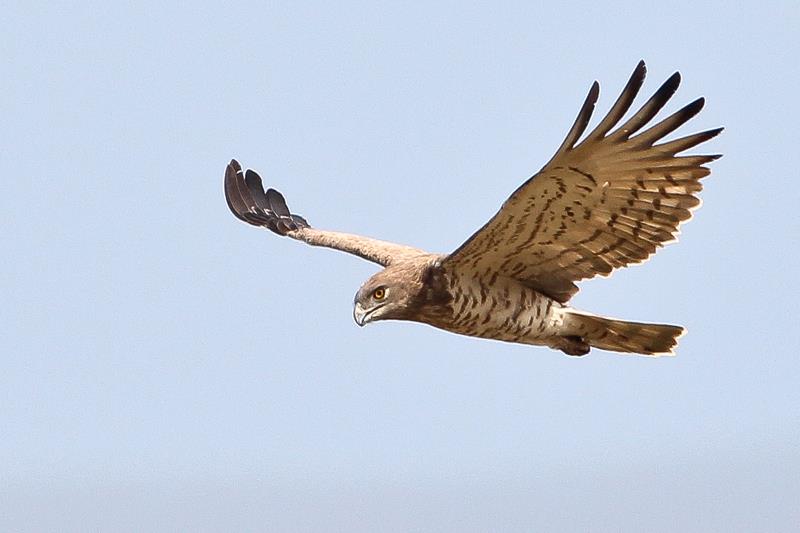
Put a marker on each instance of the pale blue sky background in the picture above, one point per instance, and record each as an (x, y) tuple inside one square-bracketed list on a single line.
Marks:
[(165, 367)]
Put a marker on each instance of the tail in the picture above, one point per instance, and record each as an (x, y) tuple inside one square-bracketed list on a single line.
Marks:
[(620, 336)]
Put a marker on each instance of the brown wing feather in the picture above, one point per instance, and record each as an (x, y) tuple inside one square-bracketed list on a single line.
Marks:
[(249, 202), (604, 203)]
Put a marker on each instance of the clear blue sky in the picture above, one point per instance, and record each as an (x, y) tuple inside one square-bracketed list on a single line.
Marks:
[(165, 367)]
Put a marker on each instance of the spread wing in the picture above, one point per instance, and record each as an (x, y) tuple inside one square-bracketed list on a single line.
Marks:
[(606, 202), (250, 203)]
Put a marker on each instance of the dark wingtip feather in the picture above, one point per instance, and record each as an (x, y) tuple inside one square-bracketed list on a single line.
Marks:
[(693, 108), (665, 92), (672, 83), (244, 193), (710, 134), (581, 121), (670, 124), (277, 203), (650, 108), (300, 221), (235, 202), (638, 74), (622, 104), (253, 181), (690, 141)]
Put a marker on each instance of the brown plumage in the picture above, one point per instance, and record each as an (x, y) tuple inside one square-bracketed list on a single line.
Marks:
[(605, 202)]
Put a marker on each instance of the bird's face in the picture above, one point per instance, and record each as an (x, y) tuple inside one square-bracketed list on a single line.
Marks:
[(380, 298)]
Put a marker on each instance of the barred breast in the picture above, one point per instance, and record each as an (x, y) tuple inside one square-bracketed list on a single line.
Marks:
[(499, 308)]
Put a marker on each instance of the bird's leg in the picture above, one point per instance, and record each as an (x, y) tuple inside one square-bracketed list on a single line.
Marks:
[(570, 345)]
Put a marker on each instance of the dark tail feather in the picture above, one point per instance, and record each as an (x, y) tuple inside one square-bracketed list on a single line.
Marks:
[(621, 336)]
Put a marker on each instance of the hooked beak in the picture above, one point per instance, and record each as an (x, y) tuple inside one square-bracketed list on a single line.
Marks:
[(364, 316), (360, 315)]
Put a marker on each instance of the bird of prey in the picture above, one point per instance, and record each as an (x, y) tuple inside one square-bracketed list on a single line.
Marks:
[(604, 201)]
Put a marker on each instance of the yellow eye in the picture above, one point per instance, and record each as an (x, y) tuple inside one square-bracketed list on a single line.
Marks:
[(379, 293)]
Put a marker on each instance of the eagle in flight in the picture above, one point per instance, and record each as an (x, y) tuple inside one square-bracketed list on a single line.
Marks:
[(604, 201)]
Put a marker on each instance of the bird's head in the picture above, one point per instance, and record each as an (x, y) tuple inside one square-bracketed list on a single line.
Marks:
[(389, 294)]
